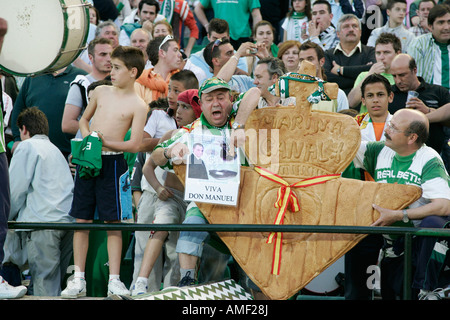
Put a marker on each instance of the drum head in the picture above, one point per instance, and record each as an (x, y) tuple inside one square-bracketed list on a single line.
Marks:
[(325, 282), (38, 33)]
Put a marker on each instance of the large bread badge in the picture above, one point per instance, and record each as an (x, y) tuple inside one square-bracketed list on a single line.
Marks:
[(296, 156)]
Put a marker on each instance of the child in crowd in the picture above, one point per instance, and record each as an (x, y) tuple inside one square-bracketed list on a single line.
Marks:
[(160, 122), (170, 206), (111, 112)]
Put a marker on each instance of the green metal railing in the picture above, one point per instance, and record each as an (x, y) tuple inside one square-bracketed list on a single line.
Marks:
[(406, 232)]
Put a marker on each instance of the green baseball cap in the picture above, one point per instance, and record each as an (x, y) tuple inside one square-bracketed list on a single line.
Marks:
[(212, 84)]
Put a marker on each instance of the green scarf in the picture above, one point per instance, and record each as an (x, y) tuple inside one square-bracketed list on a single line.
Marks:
[(297, 15)]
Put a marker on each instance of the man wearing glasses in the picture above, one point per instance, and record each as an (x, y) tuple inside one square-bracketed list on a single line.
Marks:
[(405, 159)]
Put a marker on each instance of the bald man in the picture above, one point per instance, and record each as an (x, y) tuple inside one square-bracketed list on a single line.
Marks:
[(405, 159), (140, 38), (431, 97)]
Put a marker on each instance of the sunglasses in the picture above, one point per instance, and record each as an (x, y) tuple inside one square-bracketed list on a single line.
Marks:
[(216, 44), (167, 38)]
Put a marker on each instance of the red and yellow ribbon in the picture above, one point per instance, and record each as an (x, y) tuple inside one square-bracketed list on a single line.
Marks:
[(286, 198)]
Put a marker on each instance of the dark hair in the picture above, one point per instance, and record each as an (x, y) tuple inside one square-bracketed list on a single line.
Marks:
[(319, 52), (159, 104), (312, 45), (211, 51), (34, 120), (423, 1), (218, 25), (376, 78), (274, 66), (132, 58), (438, 11), (350, 112), (412, 63), (325, 2), (420, 128), (187, 78), (264, 23), (150, 3), (391, 3), (307, 9), (98, 83), (97, 13), (96, 41), (153, 48), (389, 38)]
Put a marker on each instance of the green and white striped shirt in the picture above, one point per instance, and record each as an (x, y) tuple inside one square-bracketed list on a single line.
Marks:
[(424, 168), (432, 60)]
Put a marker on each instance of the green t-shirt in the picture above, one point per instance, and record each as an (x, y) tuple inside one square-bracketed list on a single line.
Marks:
[(236, 13), (87, 153), (424, 169)]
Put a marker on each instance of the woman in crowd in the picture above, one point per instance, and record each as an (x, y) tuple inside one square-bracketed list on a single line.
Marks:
[(289, 54)]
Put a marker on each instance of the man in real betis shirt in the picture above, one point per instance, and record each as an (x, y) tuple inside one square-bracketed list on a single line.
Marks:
[(404, 159), (218, 114)]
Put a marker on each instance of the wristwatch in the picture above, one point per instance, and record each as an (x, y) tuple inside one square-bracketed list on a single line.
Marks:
[(405, 216), (165, 153), (237, 125), (338, 71)]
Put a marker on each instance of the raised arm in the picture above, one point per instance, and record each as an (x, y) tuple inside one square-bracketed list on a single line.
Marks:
[(199, 11), (229, 68), (247, 105)]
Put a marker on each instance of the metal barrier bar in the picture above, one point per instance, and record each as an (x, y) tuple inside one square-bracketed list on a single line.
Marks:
[(231, 228), (408, 233), (407, 273)]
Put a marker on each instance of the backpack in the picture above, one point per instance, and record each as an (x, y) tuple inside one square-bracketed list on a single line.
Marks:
[(82, 82)]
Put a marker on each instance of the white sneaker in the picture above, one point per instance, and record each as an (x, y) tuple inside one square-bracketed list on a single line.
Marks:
[(116, 287), (139, 288), (8, 291), (76, 288), (437, 294)]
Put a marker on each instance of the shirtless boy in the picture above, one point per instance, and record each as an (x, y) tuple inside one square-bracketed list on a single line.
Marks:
[(111, 112)]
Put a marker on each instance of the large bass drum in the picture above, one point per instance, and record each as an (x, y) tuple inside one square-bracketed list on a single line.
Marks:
[(43, 35)]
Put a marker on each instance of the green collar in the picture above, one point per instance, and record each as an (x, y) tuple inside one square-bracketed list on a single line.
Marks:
[(405, 158), (298, 15), (213, 129)]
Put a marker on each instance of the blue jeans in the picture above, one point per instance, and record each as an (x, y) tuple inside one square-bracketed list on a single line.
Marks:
[(191, 242)]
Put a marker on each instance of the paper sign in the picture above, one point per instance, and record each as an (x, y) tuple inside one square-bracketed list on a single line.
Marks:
[(212, 174)]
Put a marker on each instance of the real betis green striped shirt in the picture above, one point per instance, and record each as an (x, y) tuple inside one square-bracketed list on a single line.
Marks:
[(424, 168)]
